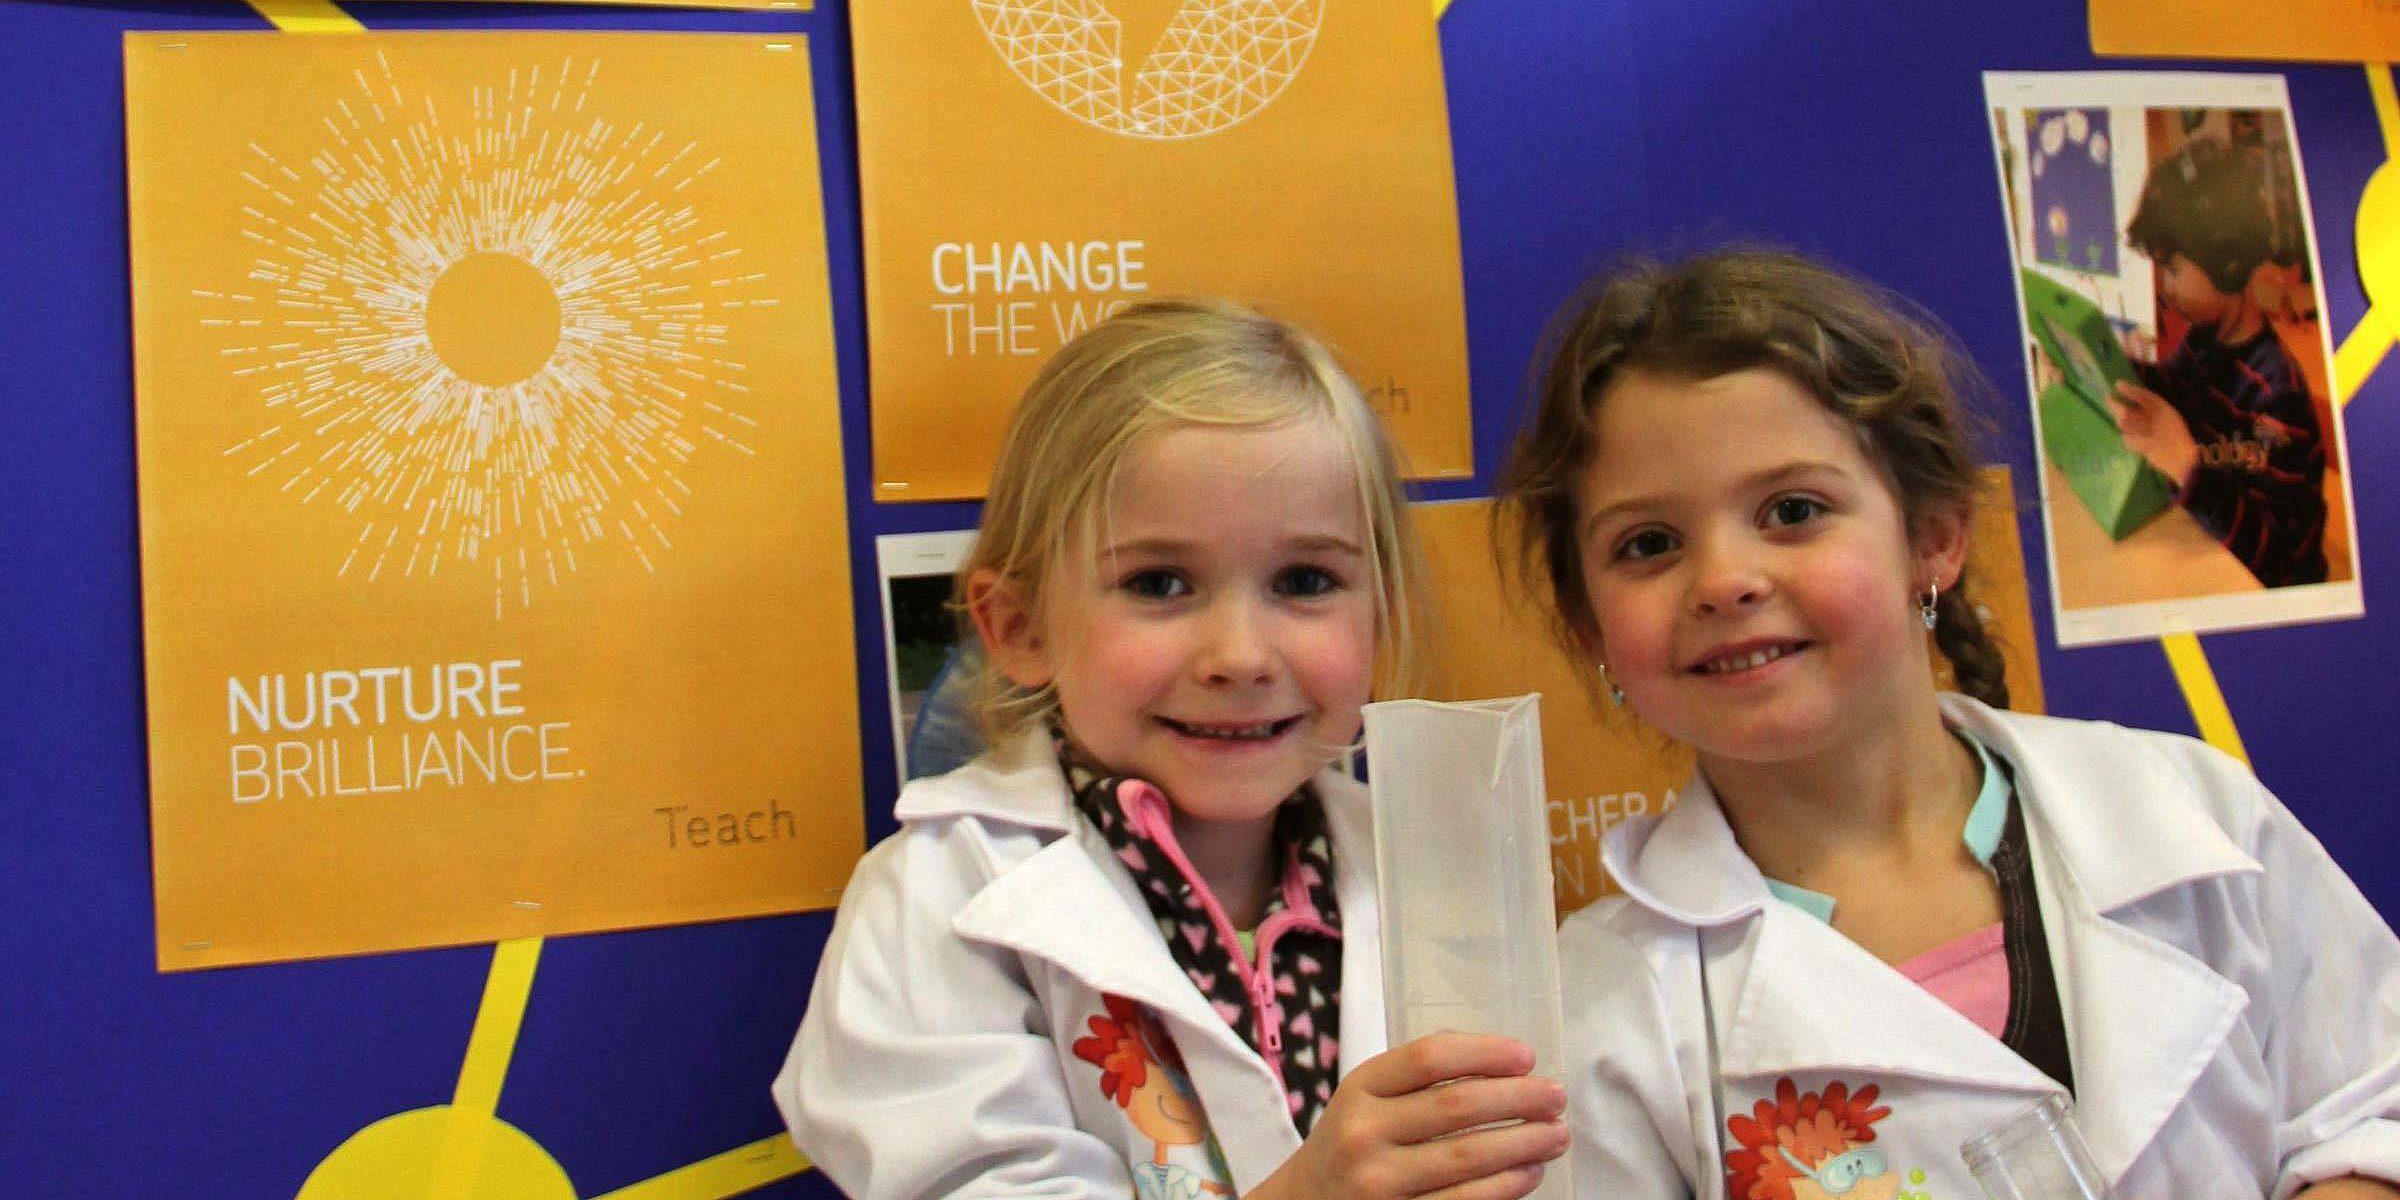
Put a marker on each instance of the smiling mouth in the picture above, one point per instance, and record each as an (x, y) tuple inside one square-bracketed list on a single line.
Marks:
[(1255, 731), (1748, 660)]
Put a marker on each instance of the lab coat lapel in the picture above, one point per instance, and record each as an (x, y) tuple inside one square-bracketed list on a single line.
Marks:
[(1809, 998), (1351, 821), (2143, 1019), (1812, 1000), (1061, 903), (1061, 906), (1070, 905), (2108, 830)]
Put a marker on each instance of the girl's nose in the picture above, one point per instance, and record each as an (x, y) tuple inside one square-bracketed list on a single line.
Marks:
[(1236, 652), (1727, 580)]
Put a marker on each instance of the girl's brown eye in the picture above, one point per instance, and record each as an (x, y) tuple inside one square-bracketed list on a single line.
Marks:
[(1648, 543), (1155, 585), (1792, 510), (1307, 581)]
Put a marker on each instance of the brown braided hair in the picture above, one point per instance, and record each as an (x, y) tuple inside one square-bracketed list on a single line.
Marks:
[(1877, 361)]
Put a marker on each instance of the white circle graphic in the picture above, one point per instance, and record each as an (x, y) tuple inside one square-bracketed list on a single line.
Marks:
[(1216, 64), (497, 336)]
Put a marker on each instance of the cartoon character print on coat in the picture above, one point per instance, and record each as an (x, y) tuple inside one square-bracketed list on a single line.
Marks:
[(1299, 937), (1811, 1146), (1143, 1074)]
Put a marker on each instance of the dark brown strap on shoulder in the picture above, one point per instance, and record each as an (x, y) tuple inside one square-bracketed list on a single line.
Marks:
[(2037, 1024)]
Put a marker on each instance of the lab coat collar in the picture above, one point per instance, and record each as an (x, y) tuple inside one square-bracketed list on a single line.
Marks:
[(2112, 823), (2119, 816), (1073, 905), (1685, 865), (1019, 782), (1833, 1006), (2118, 811), (1097, 927), (2115, 823)]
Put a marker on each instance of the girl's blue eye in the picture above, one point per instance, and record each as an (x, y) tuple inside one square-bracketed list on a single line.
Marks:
[(1304, 582), (1647, 543), (1156, 584), (1793, 510)]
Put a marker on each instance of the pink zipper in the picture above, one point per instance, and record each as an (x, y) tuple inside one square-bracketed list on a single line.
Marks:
[(1145, 809)]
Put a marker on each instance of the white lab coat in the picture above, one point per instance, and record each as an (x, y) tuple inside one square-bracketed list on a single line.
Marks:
[(971, 952), (2232, 1003)]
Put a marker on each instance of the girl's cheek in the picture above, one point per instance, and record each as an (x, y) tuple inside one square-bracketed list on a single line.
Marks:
[(1870, 595), (1633, 637), (1347, 654)]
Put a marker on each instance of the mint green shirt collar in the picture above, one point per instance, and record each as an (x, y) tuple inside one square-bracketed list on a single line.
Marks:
[(1985, 821)]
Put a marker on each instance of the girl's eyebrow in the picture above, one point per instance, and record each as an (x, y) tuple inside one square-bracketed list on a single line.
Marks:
[(1753, 482), (1155, 546), (1324, 543), (1160, 546)]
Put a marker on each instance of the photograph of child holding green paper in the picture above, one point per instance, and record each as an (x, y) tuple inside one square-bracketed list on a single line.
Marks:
[(2179, 368), (2228, 415)]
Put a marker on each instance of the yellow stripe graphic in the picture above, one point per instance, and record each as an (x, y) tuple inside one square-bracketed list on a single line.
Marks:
[(2359, 354), (2199, 685), (729, 1174), (496, 1025), (2387, 106), (307, 16), (489, 1047)]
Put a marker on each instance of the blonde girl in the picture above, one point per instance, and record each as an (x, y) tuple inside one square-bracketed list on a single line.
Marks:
[(1194, 566)]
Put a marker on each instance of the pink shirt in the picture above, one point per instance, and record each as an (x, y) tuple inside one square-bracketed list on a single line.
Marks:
[(1969, 974)]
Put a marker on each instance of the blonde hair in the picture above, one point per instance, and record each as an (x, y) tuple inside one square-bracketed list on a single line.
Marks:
[(1876, 361), (1154, 367)]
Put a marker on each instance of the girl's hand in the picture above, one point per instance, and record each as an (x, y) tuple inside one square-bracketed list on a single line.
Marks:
[(2154, 430), (1398, 1126)]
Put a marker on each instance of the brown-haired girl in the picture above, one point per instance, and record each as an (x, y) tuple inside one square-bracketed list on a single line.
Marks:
[(1747, 490)]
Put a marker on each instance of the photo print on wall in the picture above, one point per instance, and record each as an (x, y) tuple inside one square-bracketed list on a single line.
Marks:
[(2194, 470)]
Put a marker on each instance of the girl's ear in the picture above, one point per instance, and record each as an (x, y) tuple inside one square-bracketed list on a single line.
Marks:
[(1941, 547), (1009, 628), (1588, 640)]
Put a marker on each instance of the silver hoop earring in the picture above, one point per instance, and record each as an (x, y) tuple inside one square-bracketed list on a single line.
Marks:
[(1616, 695), (1929, 608)]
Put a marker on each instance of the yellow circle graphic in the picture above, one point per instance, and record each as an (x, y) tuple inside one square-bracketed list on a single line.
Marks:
[(492, 318), (1216, 64), (2379, 236), (398, 1157)]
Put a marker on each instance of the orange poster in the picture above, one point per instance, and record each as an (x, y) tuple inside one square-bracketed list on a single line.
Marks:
[(762, 5), (494, 556), (1030, 166), (2320, 30), (1602, 764)]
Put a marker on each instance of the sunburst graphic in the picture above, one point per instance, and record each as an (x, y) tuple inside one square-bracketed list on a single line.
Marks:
[(495, 332), (1216, 65)]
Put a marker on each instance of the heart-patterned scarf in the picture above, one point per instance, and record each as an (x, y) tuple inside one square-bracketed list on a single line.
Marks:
[(1289, 1011)]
